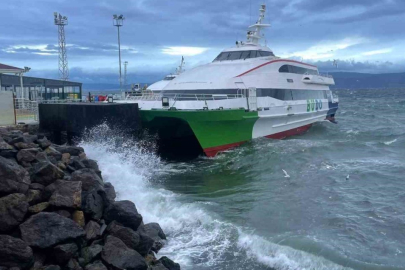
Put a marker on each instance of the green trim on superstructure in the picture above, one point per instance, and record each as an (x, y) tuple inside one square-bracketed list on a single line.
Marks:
[(211, 127)]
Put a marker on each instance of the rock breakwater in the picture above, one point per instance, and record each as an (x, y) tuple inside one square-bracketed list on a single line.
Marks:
[(56, 212)]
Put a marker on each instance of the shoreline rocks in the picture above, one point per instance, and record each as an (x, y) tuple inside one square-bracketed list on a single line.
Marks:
[(58, 213)]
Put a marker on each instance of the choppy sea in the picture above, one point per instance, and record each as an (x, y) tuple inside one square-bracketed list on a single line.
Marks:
[(342, 206)]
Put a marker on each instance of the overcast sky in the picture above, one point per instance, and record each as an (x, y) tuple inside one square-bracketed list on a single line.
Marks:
[(365, 35)]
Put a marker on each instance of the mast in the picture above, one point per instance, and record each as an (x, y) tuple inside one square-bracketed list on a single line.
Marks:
[(180, 70), (253, 34)]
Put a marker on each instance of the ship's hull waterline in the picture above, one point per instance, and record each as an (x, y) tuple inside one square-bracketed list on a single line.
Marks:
[(220, 130)]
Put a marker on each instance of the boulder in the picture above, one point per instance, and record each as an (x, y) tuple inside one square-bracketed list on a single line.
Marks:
[(63, 253), (72, 150), (5, 146), (44, 143), (38, 207), (8, 153), (12, 211), (91, 164), (78, 217), (90, 180), (109, 191), (66, 194), (63, 213), (93, 204), (65, 158), (76, 163), (47, 229), (13, 177), (91, 253), (23, 138), (37, 186), (52, 152), (73, 264), (130, 238), (47, 173), (92, 229), (153, 230), (117, 254), (97, 265), (123, 212), (146, 244), (23, 145), (169, 264), (14, 252), (51, 267), (34, 196), (25, 156), (41, 157)]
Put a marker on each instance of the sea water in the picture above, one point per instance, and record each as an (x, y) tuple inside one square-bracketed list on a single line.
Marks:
[(342, 206)]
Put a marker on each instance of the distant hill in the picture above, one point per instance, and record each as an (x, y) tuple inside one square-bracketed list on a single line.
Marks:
[(353, 80), (346, 80)]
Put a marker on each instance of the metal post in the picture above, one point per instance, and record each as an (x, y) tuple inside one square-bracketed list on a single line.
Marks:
[(21, 85), (118, 22), (61, 21), (119, 55)]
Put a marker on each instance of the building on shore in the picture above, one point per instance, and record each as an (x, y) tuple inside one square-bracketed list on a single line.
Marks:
[(32, 88)]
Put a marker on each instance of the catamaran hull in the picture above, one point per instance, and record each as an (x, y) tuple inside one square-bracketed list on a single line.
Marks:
[(220, 130)]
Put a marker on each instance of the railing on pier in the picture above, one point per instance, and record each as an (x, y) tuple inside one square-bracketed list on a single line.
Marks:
[(25, 110), (183, 97)]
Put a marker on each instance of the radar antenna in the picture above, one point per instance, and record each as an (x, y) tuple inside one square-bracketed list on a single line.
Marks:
[(253, 34)]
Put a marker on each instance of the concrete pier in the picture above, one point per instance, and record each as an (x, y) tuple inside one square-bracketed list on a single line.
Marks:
[(73, 118)]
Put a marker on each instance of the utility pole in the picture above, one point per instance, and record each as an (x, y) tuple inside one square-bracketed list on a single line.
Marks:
[(125, 74), (61, 21), (118, 21)]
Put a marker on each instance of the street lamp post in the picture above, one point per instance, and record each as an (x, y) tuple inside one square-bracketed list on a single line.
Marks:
[(118, 21)]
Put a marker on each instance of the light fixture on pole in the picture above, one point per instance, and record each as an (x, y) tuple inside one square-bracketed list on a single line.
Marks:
[(61, 21), (118, 21)]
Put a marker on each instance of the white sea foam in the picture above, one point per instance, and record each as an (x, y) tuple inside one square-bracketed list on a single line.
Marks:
[(195, 236), (390, 142)]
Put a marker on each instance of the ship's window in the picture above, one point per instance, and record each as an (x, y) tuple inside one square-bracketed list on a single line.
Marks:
[(234, 55), (283, 69), (264, 53), (222, 56), (287, 94), (297, 70), (253, 54), (245, 55)]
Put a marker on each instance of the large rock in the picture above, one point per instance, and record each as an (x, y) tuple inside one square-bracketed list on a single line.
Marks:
[(91, 253), (93, 204), (25, 155), (109, 191), (44, 143), (117, 254), (67, 194), (52, 152), (92, 230), (123, 212), (13, 177), (90, 180), (169, 264), (47, 173), (76, 163), (47, 229), (38, 207), (14, 252), (97, 265), (63, 253), (12, 211), (5, 146), (154, 230), (23, 145), (72, 150), (34, 196), (130, 238), (8, 153), (146, 244)]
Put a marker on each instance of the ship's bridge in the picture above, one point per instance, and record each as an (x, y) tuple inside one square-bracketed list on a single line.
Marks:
[(244, 51)]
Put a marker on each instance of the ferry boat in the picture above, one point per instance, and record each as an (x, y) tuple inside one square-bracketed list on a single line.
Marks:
[(245, 93)]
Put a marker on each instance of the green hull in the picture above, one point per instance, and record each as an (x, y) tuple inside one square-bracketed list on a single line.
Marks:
[(215, 130)]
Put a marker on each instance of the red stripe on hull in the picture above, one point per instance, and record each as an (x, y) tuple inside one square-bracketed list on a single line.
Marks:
[(291, 132), (213, 151)]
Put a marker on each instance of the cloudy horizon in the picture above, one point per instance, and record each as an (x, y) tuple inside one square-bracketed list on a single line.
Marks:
[(364, 36)]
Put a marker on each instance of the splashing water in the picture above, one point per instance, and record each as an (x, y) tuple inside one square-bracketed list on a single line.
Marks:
[(197, 238)]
